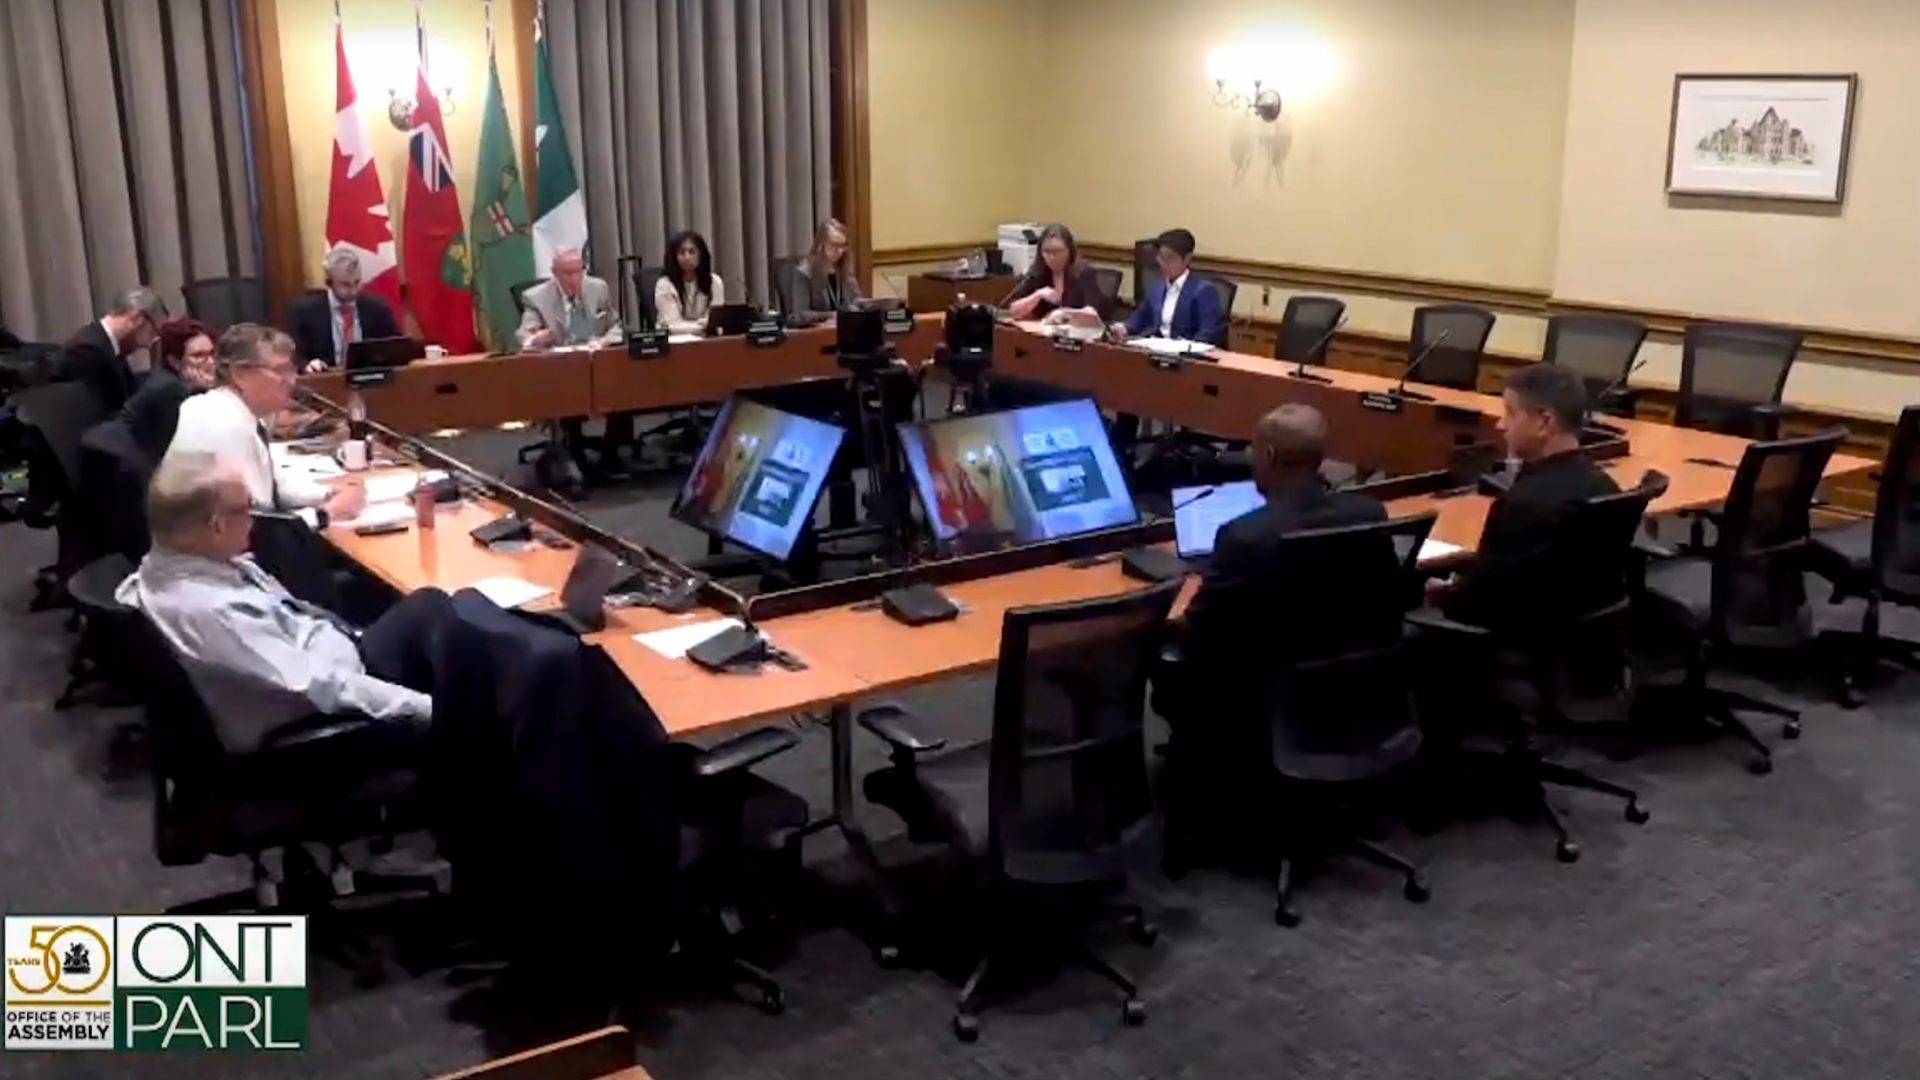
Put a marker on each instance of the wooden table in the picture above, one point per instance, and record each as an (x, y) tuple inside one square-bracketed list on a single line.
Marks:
[(939, 291), (854, 654)]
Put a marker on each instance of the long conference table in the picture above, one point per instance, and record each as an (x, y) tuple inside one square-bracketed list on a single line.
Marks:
[(853, 652)]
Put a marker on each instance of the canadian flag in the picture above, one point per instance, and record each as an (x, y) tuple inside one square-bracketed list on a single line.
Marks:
[(356, 203)]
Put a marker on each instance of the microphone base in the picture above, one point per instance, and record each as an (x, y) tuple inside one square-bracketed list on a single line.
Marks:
[(1304, 375), (1410, 395)]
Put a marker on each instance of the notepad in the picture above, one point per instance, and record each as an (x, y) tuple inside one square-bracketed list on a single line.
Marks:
[(373, 513), (1431, 550), (390, 486), (509, 592), (674, 642), (1171, 346)]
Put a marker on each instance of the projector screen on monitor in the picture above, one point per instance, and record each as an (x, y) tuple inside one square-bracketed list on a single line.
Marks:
[(990, 480), (758, 476)]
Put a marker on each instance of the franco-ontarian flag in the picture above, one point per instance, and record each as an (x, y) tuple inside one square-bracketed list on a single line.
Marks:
[(560, 213)]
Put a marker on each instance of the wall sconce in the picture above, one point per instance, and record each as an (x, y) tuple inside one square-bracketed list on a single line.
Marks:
[(400, 107), (1252, 75)]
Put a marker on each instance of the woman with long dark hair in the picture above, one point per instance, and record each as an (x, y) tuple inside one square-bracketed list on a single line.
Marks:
[(689, 288), (1059, 281)]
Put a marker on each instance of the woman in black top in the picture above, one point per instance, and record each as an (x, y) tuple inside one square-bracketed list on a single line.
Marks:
[(186, 367), (1059, 284)]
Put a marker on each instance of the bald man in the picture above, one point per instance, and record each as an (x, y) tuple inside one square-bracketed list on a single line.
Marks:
[(1237, 600)]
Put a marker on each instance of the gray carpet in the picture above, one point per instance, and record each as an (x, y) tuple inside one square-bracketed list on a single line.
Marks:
[(1757, 927)]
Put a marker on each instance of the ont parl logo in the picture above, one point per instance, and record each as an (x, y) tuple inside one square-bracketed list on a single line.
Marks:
[(232, 984)]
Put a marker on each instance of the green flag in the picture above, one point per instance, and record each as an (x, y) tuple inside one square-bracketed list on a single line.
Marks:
[(560, 219), (502, 242)]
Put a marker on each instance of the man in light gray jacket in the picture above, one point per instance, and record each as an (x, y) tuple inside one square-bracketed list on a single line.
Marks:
[(573, 307)]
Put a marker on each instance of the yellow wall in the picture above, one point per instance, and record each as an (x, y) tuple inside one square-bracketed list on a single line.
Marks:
[(945, 82), (1624, 240), (380, 48)]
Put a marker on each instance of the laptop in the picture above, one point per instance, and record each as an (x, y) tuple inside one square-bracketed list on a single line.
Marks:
[(386, 352), (583, 599), (1200, 512), (725, 319)]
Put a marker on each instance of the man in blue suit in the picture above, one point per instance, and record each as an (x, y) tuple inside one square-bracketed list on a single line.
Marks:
[(1179, 305)]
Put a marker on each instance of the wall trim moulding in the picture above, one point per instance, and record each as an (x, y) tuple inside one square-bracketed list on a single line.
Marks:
[(1536, 302)]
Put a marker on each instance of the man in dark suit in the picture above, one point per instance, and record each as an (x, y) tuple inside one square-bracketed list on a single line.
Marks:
[(1515, 571), (97, 353), (1179, 305), (326, 322)]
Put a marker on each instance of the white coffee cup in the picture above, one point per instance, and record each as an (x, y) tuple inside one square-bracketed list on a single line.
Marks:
[(435, 352), (353, 455)]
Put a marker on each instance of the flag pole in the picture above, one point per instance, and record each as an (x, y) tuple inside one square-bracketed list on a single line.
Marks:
[(489, 17)]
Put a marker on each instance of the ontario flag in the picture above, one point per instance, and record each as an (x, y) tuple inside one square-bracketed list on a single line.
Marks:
[(356, 203), (439, 275)]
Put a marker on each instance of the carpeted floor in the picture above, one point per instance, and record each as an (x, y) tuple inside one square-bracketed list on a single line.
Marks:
[(1757, 927)]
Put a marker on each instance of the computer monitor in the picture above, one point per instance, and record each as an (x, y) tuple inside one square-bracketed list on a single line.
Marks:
[(989, 480), (383, 352), (758, 476), (1200, 512)]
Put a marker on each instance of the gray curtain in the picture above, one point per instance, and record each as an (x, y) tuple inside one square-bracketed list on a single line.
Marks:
[(127, 156), (698, 114)]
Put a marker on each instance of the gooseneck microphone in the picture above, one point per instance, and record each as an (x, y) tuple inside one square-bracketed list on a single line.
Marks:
[(1401, 391), (1300, 371)]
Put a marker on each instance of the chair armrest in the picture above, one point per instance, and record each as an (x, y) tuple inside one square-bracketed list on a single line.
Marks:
[(891, 723), (744, 751), (1429, 619), (316, 730)]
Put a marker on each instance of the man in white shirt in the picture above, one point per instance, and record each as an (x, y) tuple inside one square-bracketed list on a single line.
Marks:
[(256, 377), (258, 657), (1179, 305)]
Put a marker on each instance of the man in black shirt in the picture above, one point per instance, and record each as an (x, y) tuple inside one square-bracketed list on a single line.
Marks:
[(1514, 572)]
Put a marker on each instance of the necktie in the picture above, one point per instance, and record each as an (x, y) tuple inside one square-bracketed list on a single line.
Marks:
[(579, 326), (346, 327)]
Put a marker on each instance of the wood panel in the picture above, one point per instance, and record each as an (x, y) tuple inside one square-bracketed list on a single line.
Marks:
[(473, 391), (930, 294), (710, 370), (852, 133)]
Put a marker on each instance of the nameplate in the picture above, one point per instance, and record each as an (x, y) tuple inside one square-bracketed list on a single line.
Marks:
[(365, 377), (1068, 343), (1166, 361), (647, 344), (1382, 402), (766, 333), (898, 320)]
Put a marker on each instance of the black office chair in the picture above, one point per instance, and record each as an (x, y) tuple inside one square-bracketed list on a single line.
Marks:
[(782, 268), (1878, 561), (58, 415), (1732, 376), (1053, 803), (1107, 280), (1601, 350), (323, 780), (1306, 327), (1456, 361), (1566, 667), (1228, 290), (97, 659), (1336, 718), (1146, 268), (222, 302), (112, 495), (518, 290), (1750, 590)]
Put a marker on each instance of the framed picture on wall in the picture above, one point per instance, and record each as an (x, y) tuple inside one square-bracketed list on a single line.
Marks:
[(1761, 136)]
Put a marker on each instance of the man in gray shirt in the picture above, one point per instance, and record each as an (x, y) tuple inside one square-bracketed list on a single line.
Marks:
[(258, 657)]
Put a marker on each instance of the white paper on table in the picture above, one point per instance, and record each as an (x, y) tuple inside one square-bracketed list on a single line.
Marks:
[(317, 466), (398, 485), (384, 513), (1437, 549), (673, 643), (683, 339), (509, 592), (1172, 346)]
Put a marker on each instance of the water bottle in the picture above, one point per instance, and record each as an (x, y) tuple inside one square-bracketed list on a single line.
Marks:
[(356, 415)]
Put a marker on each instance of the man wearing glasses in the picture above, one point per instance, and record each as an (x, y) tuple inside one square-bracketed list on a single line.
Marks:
[(254, 382), (97, 354)]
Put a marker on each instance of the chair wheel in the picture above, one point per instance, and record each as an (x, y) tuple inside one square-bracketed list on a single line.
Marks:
[(1134, 1012), (1790, 729), (1567, 851), (1760, 766), (1285, 916), (1417, 891), (1850, 695), (966, 1027), (887, 956), (1637, 813), (1143, 932), (772, 1001)]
